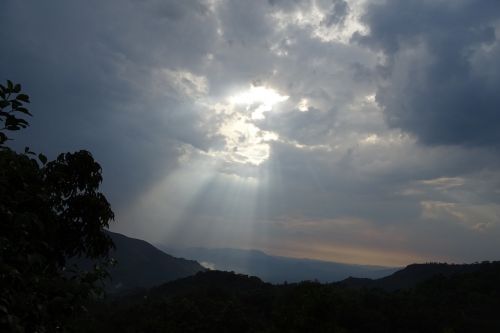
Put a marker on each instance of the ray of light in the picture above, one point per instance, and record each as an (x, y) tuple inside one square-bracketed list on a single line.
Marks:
[(166, 202)]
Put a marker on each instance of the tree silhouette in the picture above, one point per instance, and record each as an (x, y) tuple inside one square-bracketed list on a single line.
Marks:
[(49, 212)]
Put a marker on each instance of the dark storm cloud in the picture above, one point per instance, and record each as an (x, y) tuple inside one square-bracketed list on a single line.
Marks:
[(373, 182), (441, 74), (91, 71)]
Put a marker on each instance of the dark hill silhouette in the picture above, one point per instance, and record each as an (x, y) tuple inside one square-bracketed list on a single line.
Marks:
[(217, 280), (410, 276), (465, 298), (141, 265)]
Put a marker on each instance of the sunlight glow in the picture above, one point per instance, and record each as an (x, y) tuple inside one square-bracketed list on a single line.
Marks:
[(263, 98), (245, 142), (303, 105)]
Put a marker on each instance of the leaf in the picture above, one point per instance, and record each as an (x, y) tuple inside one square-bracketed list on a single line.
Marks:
[(11, 120), (15, 103), (42, 158), (17, 88), (26, 149), (22, 122), (23, 97), (24, 110), (10, 85)]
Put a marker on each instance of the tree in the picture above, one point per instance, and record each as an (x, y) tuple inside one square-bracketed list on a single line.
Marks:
[(50, 212)]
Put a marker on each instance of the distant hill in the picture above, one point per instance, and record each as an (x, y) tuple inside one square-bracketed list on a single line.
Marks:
[(410, 276), (141, 265), (276, 269)]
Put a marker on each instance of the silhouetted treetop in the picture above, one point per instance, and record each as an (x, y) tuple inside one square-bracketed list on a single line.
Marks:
[(50, 211)]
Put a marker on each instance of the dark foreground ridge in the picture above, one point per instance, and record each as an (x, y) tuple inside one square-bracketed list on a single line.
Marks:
[(141, 265), (457, 298), (410, 276)]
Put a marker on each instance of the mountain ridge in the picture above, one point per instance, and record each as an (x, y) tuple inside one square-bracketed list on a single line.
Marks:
[(411, 275), (277, 269), (140, 265), (467, 300)]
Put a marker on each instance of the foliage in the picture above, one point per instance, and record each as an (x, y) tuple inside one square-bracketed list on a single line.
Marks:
[(226, 302), (12, 106), (49, 212)]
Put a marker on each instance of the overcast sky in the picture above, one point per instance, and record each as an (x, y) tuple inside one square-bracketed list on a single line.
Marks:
[(354, 131)]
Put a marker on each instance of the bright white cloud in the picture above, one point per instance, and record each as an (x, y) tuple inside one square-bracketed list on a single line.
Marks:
[(260, 99)]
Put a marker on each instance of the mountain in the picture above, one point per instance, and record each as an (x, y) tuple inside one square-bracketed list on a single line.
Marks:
[(410, 276), (276, 269), (141, 265), (466, 300)]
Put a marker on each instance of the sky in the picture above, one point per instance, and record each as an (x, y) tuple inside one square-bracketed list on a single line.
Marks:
[(353, 131)]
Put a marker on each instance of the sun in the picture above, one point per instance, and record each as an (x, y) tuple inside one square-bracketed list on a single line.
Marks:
[(260, 99)]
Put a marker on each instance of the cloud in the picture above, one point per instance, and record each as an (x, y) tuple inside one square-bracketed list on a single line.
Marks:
[(330, 145), (439, 74), (476, 217), (111, 77), (337, 13)]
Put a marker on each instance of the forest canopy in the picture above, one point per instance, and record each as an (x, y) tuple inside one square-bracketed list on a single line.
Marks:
[(50, 212)]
